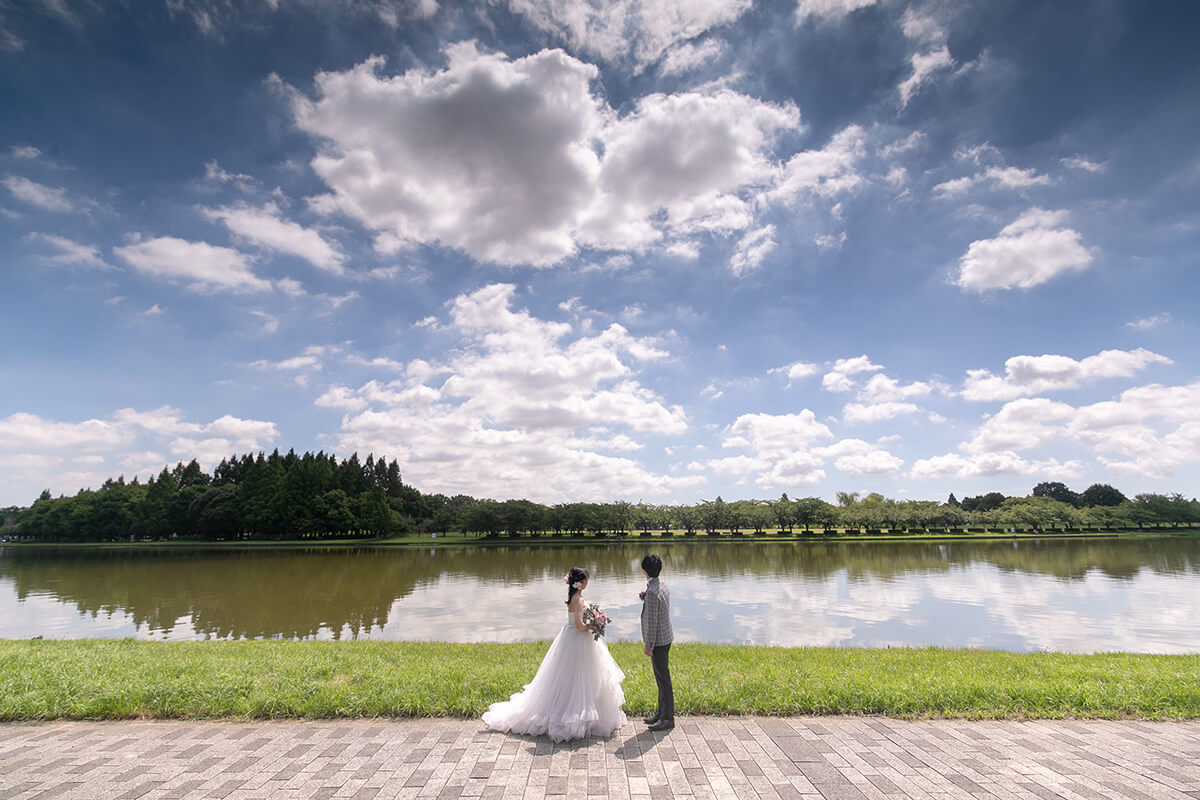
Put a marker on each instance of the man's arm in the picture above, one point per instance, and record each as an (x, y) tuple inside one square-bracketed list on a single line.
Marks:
[(650, 621)]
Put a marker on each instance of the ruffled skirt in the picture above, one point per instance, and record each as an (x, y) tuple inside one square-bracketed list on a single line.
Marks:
[(576, 693)]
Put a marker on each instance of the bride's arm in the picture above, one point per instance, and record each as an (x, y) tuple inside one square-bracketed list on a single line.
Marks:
[(577, 617)]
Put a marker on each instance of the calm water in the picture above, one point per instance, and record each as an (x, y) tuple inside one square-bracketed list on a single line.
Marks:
[(1138, 595)]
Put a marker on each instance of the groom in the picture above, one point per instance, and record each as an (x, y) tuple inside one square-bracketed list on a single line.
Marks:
[(656, 639)]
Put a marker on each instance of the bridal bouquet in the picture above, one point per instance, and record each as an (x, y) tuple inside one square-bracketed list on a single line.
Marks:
[(595, 620)]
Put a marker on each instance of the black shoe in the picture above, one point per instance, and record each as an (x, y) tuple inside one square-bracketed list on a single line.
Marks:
[(650, 720), (662, 725)]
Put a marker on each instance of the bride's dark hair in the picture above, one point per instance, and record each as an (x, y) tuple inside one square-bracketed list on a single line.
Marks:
[(576, 575)]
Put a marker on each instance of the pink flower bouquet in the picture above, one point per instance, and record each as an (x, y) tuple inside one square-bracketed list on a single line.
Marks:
[(595, 620)]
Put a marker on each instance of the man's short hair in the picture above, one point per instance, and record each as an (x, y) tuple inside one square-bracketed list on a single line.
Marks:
[(652, 564)]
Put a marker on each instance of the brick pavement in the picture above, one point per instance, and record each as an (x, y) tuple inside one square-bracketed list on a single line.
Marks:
[(833, 758)]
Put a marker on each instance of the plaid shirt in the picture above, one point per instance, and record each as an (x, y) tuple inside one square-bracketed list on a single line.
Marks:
[(656, 615)]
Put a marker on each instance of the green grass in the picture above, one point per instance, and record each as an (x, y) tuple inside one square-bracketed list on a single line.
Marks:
[(121, 679)]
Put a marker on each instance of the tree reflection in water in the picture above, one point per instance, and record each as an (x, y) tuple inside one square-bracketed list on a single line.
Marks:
[(456, 593)]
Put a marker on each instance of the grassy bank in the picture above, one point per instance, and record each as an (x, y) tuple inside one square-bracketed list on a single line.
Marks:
[(118, 679)]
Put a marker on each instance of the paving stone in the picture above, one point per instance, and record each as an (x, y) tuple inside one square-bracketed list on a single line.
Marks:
[(704, 758)]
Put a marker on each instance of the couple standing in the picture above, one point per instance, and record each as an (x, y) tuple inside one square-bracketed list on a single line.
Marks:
[(577, 690)]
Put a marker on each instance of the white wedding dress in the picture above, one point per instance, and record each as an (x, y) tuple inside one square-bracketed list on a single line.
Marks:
[(576, 692)]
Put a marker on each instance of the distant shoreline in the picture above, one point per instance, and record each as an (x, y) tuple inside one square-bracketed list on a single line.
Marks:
[(549, 540)]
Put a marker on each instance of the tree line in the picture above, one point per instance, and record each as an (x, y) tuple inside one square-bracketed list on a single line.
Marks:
[(316, 496)]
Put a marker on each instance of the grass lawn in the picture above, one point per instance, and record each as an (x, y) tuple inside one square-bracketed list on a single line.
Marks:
[(119, 679)]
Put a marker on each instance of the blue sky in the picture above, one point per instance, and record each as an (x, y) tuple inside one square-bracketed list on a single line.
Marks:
[(647, 250)]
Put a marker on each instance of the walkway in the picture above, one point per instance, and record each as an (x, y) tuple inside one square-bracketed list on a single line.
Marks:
[(834, 758)]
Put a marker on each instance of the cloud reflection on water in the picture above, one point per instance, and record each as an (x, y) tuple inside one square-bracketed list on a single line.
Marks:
[(1083, 597)]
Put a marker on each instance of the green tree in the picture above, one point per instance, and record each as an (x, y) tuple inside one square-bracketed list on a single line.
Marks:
[(213, 516), (372, 513), (1101, 494), (785, 512), (847, 499), (1056, 491), (156, 513)]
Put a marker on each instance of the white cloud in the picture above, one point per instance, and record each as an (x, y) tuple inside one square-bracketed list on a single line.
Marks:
[(829, 10), (310, 359), (270, 322), (507, 187), (683, 165), (333, 302), (880, 388), (519, 399), (199, 266), (1080, 162), (924, 65), (242, 430), (36, 445), (1148, 430), (1028, 252), (826, 172), (856, 413), (683, 250), (856, 457), (901, 146), (215, 174), (598, 438), (546, 168), (777, 434), (24, 152), (953, 465), (979, 153), (956, 186), (751, 250), (378, 362), (883, 398), (1147, 323), (1022, 424), (1014, 178), (154, 311), (689, 55), (264, 226), (22, 431), (624, 29), (922, 27), (838, 378), (9, 41), (796, 370), (1001, 177), (71, 253), (207, 443), (45, 197), (828, 241), (784, 448), (633, 312), (164, 421), (290, 287), (786, 451), (1028, 375)]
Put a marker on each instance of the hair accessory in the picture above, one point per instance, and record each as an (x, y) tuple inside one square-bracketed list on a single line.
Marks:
[(576, 584)]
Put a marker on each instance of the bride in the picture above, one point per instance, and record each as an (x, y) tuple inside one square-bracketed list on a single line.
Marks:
[(577, 690)]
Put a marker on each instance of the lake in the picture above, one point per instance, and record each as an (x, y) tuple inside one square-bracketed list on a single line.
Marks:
[(1071, 595)]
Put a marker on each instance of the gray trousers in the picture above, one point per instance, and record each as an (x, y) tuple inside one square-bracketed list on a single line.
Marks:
[(662, 676)]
